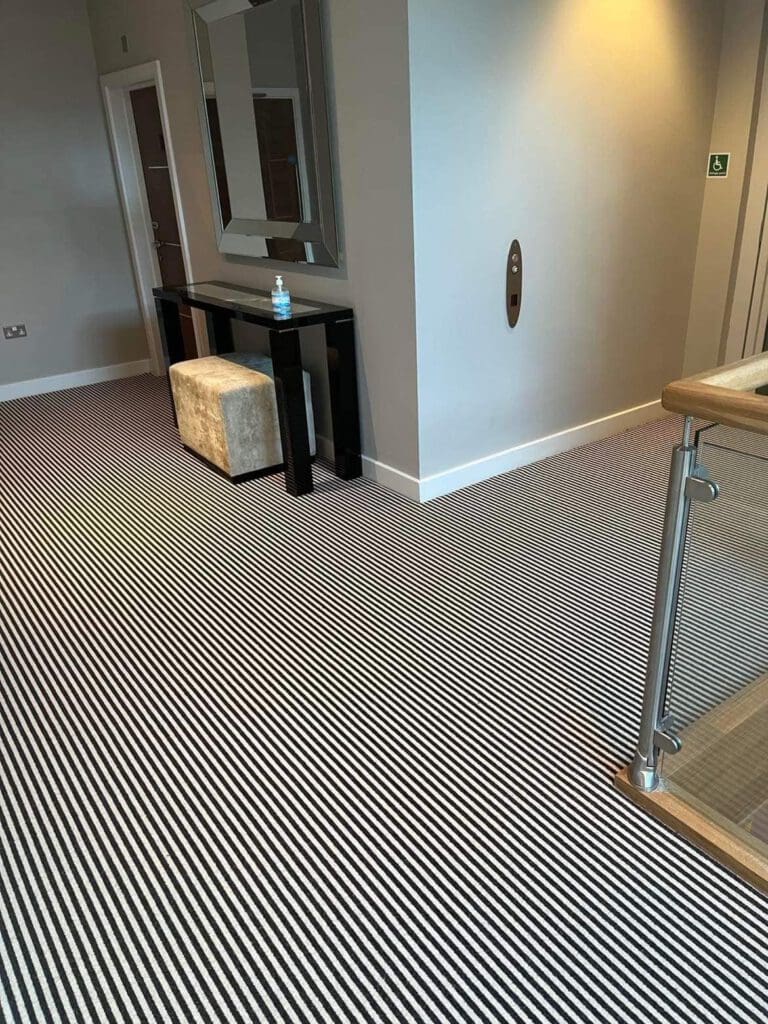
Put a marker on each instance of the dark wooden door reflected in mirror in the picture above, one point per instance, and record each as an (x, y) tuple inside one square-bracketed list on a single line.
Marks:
[(279, 160), (217, 153), (157, 182), (279, 156)]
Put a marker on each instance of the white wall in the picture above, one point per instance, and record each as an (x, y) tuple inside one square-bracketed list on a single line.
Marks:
[(367, 44), (580, 127), (732, 131), (64, 264)]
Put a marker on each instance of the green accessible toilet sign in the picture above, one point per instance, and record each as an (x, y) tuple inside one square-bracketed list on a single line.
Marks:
[(718, 165)]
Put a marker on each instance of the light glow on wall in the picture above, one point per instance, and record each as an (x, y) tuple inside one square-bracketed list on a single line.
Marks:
[(621, 34)]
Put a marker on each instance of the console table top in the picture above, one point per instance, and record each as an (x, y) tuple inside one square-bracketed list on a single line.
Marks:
[(252, 305)]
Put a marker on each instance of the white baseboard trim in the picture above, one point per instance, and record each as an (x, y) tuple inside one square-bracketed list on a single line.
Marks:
[(435, 486), (502, 462), (65, 381), (385, 475), (533, 451), (394, 479)]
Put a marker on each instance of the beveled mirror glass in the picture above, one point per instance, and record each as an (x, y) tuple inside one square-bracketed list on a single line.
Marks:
[(265, 127)]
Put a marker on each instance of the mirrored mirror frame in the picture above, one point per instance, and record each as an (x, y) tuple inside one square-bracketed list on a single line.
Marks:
[(241, 237)]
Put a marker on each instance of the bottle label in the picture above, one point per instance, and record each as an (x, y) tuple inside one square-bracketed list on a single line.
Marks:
[(281, 302)]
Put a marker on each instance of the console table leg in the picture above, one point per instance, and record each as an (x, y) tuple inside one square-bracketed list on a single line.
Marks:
[(171, 339), (345, 411), (292, 410)]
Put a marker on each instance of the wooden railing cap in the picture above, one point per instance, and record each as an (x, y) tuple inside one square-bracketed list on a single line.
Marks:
[(724, 395)]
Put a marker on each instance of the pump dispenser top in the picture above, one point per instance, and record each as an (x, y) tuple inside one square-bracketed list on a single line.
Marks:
[(281, 298)]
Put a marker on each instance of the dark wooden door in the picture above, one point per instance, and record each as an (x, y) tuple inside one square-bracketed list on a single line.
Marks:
[(157, 180), (278, 153)]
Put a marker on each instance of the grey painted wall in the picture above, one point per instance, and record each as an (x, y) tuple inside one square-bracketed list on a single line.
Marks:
[(581, 127), (64, 264), (724, 198), (368, 55)]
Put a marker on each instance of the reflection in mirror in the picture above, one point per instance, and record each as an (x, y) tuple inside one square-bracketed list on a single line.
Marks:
[(266, 125)]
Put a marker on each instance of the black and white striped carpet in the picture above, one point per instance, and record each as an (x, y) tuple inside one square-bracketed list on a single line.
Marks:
[(340, 759)]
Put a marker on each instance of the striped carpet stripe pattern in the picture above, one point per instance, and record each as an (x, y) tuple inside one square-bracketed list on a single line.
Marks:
[(341, 759)]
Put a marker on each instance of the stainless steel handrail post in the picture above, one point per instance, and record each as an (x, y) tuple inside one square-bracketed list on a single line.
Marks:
[(644, 770)]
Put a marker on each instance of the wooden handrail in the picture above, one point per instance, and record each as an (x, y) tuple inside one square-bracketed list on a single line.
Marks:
[(724, 395)]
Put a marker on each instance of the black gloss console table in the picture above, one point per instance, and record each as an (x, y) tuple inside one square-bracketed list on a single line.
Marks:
[(224, 303)]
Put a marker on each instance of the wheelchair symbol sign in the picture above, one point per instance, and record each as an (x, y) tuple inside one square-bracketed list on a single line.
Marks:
[(718, 165)]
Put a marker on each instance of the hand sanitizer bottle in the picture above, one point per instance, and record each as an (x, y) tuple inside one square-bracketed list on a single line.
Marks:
[(281, 298)]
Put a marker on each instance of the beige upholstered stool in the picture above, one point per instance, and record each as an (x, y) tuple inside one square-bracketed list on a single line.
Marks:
[(227, 411)]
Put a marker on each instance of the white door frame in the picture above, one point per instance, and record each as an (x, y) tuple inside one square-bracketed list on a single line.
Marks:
[(115, 88)]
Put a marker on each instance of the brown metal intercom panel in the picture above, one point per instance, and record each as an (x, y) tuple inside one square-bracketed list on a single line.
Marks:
[(514, 283)]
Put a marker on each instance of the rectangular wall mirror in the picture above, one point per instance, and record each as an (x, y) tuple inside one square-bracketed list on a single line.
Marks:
[(265, 127)]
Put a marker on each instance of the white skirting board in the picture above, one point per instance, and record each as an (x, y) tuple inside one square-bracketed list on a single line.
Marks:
[(412, 487), (394, 479), (64, 381), (512, 458)]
